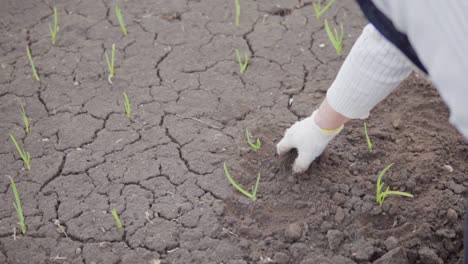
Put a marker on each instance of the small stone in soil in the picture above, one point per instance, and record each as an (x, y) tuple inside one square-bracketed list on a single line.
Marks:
[(448, 168), (339, 215), (391, 243), (376, 210), (293, 231), (335, 238), (396, 123), (281, 258), (452, 215)]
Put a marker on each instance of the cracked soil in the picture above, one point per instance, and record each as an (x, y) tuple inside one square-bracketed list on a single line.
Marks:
[(163, 169)]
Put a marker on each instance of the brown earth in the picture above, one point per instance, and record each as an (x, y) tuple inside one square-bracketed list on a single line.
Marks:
[(162, 171)]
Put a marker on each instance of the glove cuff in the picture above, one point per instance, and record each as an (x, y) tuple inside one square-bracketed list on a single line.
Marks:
[(335, 131)]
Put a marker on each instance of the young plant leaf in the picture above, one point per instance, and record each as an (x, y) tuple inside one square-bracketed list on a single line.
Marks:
[(25, 119), (237, 4), (28, 52), (380, 196), (110, 64), (253, 195), (369, 142), (335, 38), (255, 147), (128, 107), (53, 31), (24, 154), (319, 11), (18, 207), (242, 65), (118, 13), (117, 219)]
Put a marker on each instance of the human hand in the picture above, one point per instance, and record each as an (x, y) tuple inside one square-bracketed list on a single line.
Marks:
[(309, 140)]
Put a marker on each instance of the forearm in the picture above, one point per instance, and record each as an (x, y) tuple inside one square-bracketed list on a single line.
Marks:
[(373, 69), (328, 119)]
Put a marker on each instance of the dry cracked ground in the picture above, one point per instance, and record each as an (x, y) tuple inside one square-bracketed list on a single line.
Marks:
[(162, 170)]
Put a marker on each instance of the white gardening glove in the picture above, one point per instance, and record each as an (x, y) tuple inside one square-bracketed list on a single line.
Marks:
[(309, 140)]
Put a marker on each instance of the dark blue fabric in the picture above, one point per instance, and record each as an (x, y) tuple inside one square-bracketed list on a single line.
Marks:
[(385, 26)]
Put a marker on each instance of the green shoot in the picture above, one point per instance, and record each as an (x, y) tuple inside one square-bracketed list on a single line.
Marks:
[(120, 18), (236, 2), (255, 147), (253, 195), (128, 107), (335, 38), (53, 31), (319, 11), (117, 219), (369, 142), (242, 65), (25, 119), (28, 51), (24, 154), (18, 207), (110, 64), (380, 196)]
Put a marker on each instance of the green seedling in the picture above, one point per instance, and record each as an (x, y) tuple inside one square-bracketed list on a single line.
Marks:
[(242, 65), (253, 195), (335, 38), (28, 51), (110, 64), (369, 142), (117, 219), (24, 154), (18, 207), (53, 30), (25, 119), (255, 147), (319, 11), (128, 107), (121, 21), (380, 196), (236, 2)]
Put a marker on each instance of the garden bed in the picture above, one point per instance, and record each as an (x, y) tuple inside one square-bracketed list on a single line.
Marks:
[(162, 168)]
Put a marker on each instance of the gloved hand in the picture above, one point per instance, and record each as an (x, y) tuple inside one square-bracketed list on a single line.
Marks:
[(309, 140)]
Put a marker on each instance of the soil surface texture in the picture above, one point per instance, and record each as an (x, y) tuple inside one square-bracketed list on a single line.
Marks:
[(162, 169)]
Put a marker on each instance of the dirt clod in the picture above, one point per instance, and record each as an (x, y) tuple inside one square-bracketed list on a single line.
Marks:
[(446, 232), (394, 256), (281, 258), (391, 243), (364, 254), (396, 123), (294, 231), (335, 238), (452, 215), (339, 215), (455, 187), (428, 256)]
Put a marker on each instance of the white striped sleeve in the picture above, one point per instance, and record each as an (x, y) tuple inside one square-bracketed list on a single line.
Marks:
[(372, 70)]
